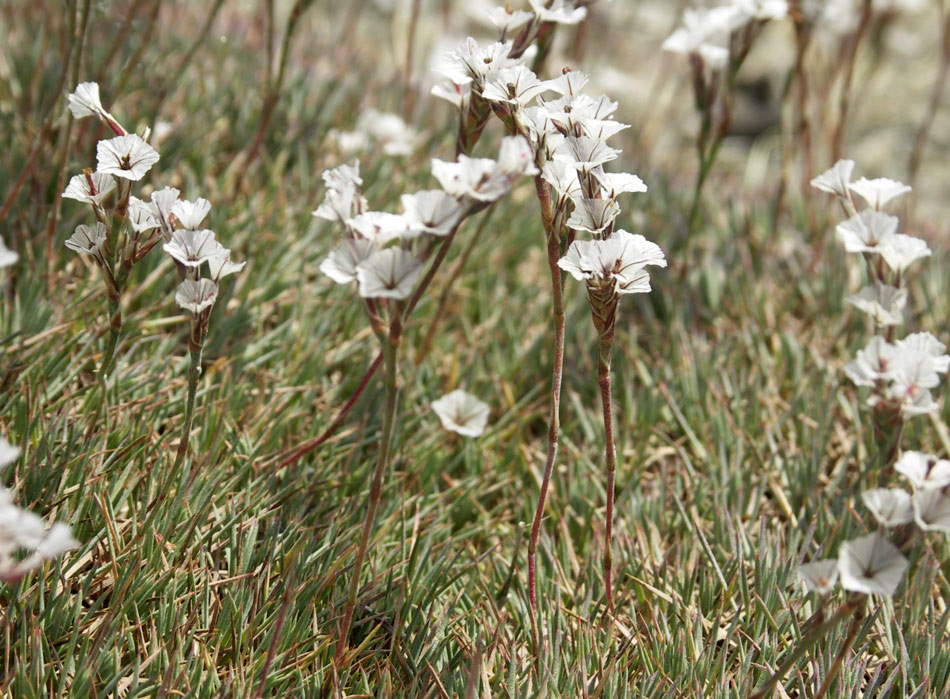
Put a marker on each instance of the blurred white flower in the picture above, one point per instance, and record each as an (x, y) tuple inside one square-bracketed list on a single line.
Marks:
[(872, 363), (882, 302), (451, 92), (517, 86), (88, 240), (90, 189), (762, 9), (190, 214), (867, 231), (474, 178), (890, 506), (879, 191), (616, 183), (390, 273), (871, 565), (140, 215), (558, 11), (192, 248), (125, 156), (431, 211), (21, 529), (471, 63), (819, 576), (835, 180), (584, 153), (8, 453), (516, 157), (7, 256), (593, 215), (85, 101), (380, 226), (196, 296), (900, 251), (462, 412), (220, 265), (340, 265), (507, 20), (621, 258), (924, 470), (343, 199), (932, 510), (706, 34)]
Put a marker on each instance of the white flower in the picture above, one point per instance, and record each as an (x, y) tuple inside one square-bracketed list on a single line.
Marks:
[(867, 231), (431, 211), (507, 20), (381, 226), (192, 248), (474, 178), (593, 215), (563, 178), (872, 363), (872, 565), (21, 529), (8, 453), (91, 188), (125, 156), (558, 11), (471, 63), (584, 153), (390, 273), (462, 412), (819, 576), (890, 506), (7, 256), (196, 296), (924, 470), (616, 183), (932, 510), (569, 83), (706, 33), (220, 265), (835, 180), (84, 101), (190, 214), (340, 265), (621, 257), (516, 157), (762, 9), (517, 85), (882, 302), (389, 130), (88, 239), (879, 191), (141, 217), (163, 201), (343, 198), (900, 251), (451, 92), (58, 540)]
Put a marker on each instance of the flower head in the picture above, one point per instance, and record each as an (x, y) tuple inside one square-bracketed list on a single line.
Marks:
[(7, 256), (431, 211), (835, 179), (867, 231), (91, 188), (879, 191), (890, 506), (872, 565), (882, 302), (924, 470), (196, 296), (125, 156), (462, 412), (932, 510), (88, 240), (390, 273), (620, 258), (192, 248), (819, 576), (190, 214)]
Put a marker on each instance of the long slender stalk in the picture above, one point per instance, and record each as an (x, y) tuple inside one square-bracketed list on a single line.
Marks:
[(194, 375), (603, 379), (554, 416), (390, 348)]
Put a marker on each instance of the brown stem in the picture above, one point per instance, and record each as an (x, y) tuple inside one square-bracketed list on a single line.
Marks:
[(844, 101), (557, 291), (603, 379)]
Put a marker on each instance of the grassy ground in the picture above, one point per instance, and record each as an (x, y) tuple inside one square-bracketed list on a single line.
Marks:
[(741, 444)]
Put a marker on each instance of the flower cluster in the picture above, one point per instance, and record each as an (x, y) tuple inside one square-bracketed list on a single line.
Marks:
[(24, 530)]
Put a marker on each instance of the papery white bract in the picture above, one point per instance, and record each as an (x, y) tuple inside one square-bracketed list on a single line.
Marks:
[(932, 510), (88, 239), (593, 215), (924, 470), (819, 576), (431, 211), (140, 215), (616, 183), (340, 265), (85, 101), (890, 506), (471, 63), (835, 179), (192, 248), (8, 453), (558, 11), (220, 265), (381, 227), (585, 154), (7, 256), (516, 157), (882, 302), (196, 296), (515, 86), (163, 201), (872, 565), (21, 529), (621, 257), (462, 412), (390, 273), (878, 192), (125, 156), (91, 189), (900, 251), (475, 178), (872, 362), (190, 214), (867, 231)]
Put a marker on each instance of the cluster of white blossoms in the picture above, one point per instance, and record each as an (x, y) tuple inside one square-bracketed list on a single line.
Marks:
[(21, 530), (901, 373), (378, 129), (707, 32), (177, 223)]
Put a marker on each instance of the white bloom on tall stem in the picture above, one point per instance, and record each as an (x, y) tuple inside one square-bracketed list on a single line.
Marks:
[(196, 296), (8, 453), (924, 470), (192, 248), (21, 529), (878, 192), (88, 239), (558, 11), (220, 265), (85, 101), (474, 178), (900, 251), (141, 216), (882, 302), (126, 156), (866, 231), (381, 226), (584, 154), (471, 63), (617, 183), (835, 180), (932, 510), (190, 214), (593, 215), (871, 565), (390, 273), (516, 86), (819, 576), (621, 257), (163, 201), (891, 507), (340, 265), (507, 20), (91, 188), (462, 412), (872, 363), (431, 211)]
